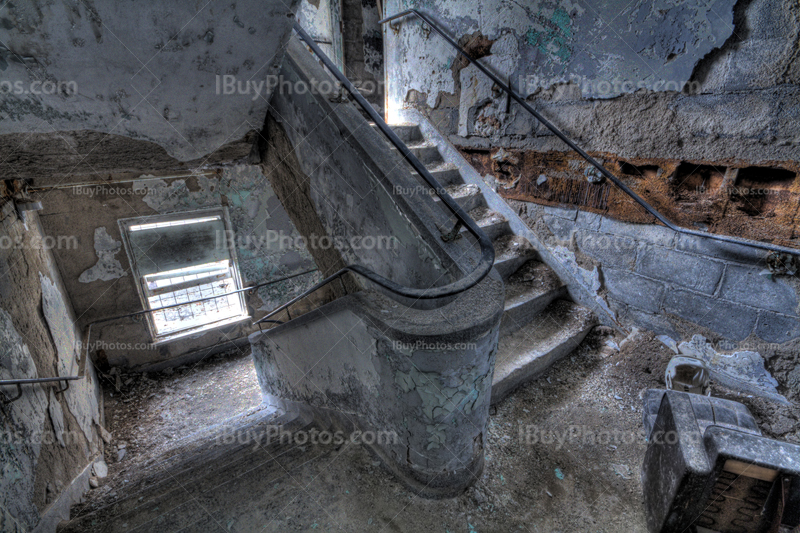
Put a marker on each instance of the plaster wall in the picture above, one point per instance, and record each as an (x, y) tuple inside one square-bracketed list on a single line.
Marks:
[(699, 80), (147, 70), (48, 439), (96, 269), (348, 173)]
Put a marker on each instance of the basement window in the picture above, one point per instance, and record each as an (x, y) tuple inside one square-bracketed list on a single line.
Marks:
[(183, 258)]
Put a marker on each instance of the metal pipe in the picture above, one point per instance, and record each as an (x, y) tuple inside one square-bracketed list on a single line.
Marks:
[(4, 382), (604, 171)]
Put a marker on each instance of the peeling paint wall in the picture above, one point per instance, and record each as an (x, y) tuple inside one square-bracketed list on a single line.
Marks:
[(322, 19), (96, 270), (397, 371), (146, 70), (699, 80), (47, 439), (689, 104), (107, 266)]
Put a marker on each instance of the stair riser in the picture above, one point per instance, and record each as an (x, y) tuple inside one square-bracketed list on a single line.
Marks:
[(445, 177), (428, 155), (522, 313), (492, 231), (407, 134), (509, 266), (503, 386)]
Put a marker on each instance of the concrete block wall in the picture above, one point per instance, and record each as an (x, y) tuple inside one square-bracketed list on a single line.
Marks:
[(651, 274)]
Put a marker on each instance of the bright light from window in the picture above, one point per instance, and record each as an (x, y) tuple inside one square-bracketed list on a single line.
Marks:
[(155, 225), (189, 284)]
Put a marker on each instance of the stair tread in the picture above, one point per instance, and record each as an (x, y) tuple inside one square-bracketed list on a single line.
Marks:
[(483, 216), (461, 190), (418, 143), (560, 325), (533, 279), (443, 166), (509, 247)]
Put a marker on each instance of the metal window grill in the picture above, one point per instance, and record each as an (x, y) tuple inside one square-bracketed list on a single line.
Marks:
[(189, 284)]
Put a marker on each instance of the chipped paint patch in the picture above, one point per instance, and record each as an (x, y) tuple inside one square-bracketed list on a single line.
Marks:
[(442, 397), (82, 395), (107, 266), (56, 418)]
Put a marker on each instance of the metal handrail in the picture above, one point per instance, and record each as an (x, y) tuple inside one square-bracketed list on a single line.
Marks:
[(250, 289), (67, 379), (25, 381), (604, 171), (462, 218)]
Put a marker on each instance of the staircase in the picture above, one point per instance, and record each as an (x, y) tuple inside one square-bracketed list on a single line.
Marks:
[(540, 323), (206, 481)]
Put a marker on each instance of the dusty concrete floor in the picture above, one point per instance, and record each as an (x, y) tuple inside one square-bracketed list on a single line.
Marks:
[(148, 414), (564, 454)]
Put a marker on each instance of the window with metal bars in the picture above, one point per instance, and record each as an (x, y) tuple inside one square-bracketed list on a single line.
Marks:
[(185, 258)]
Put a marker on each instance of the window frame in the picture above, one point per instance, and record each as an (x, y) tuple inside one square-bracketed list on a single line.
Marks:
[(141, 283)]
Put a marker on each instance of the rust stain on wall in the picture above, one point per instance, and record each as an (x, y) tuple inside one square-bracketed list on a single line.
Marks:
[(728, 197)]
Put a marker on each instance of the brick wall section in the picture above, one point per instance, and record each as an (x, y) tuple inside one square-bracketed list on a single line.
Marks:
[(650, 272)]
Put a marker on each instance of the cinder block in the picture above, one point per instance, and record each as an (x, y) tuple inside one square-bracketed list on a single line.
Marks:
[(615, 251), (648, 233), (681, 269), (732, 321), (634, 290), (655, 322), (561, 227), (773, 327), (569, 214), (744, 285), (719, 250), (590, 221)]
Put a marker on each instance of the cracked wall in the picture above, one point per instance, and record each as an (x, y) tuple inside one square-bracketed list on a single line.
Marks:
[(47, 439), (703, 80), (713, 146)]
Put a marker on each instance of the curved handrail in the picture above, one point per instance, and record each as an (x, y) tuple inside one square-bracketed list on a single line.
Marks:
[(487, 249), (604, 171)]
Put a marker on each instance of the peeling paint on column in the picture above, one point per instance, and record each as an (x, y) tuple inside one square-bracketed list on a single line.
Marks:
[(107, 266), (442, 396), (20, 442)]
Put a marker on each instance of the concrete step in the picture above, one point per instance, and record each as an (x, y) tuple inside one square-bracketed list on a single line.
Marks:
[(527, 353), (427, 153), (493, 224), (165, 494), (467, 196), (445, 173), (408, 133), (529, 291), (511, 252)]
